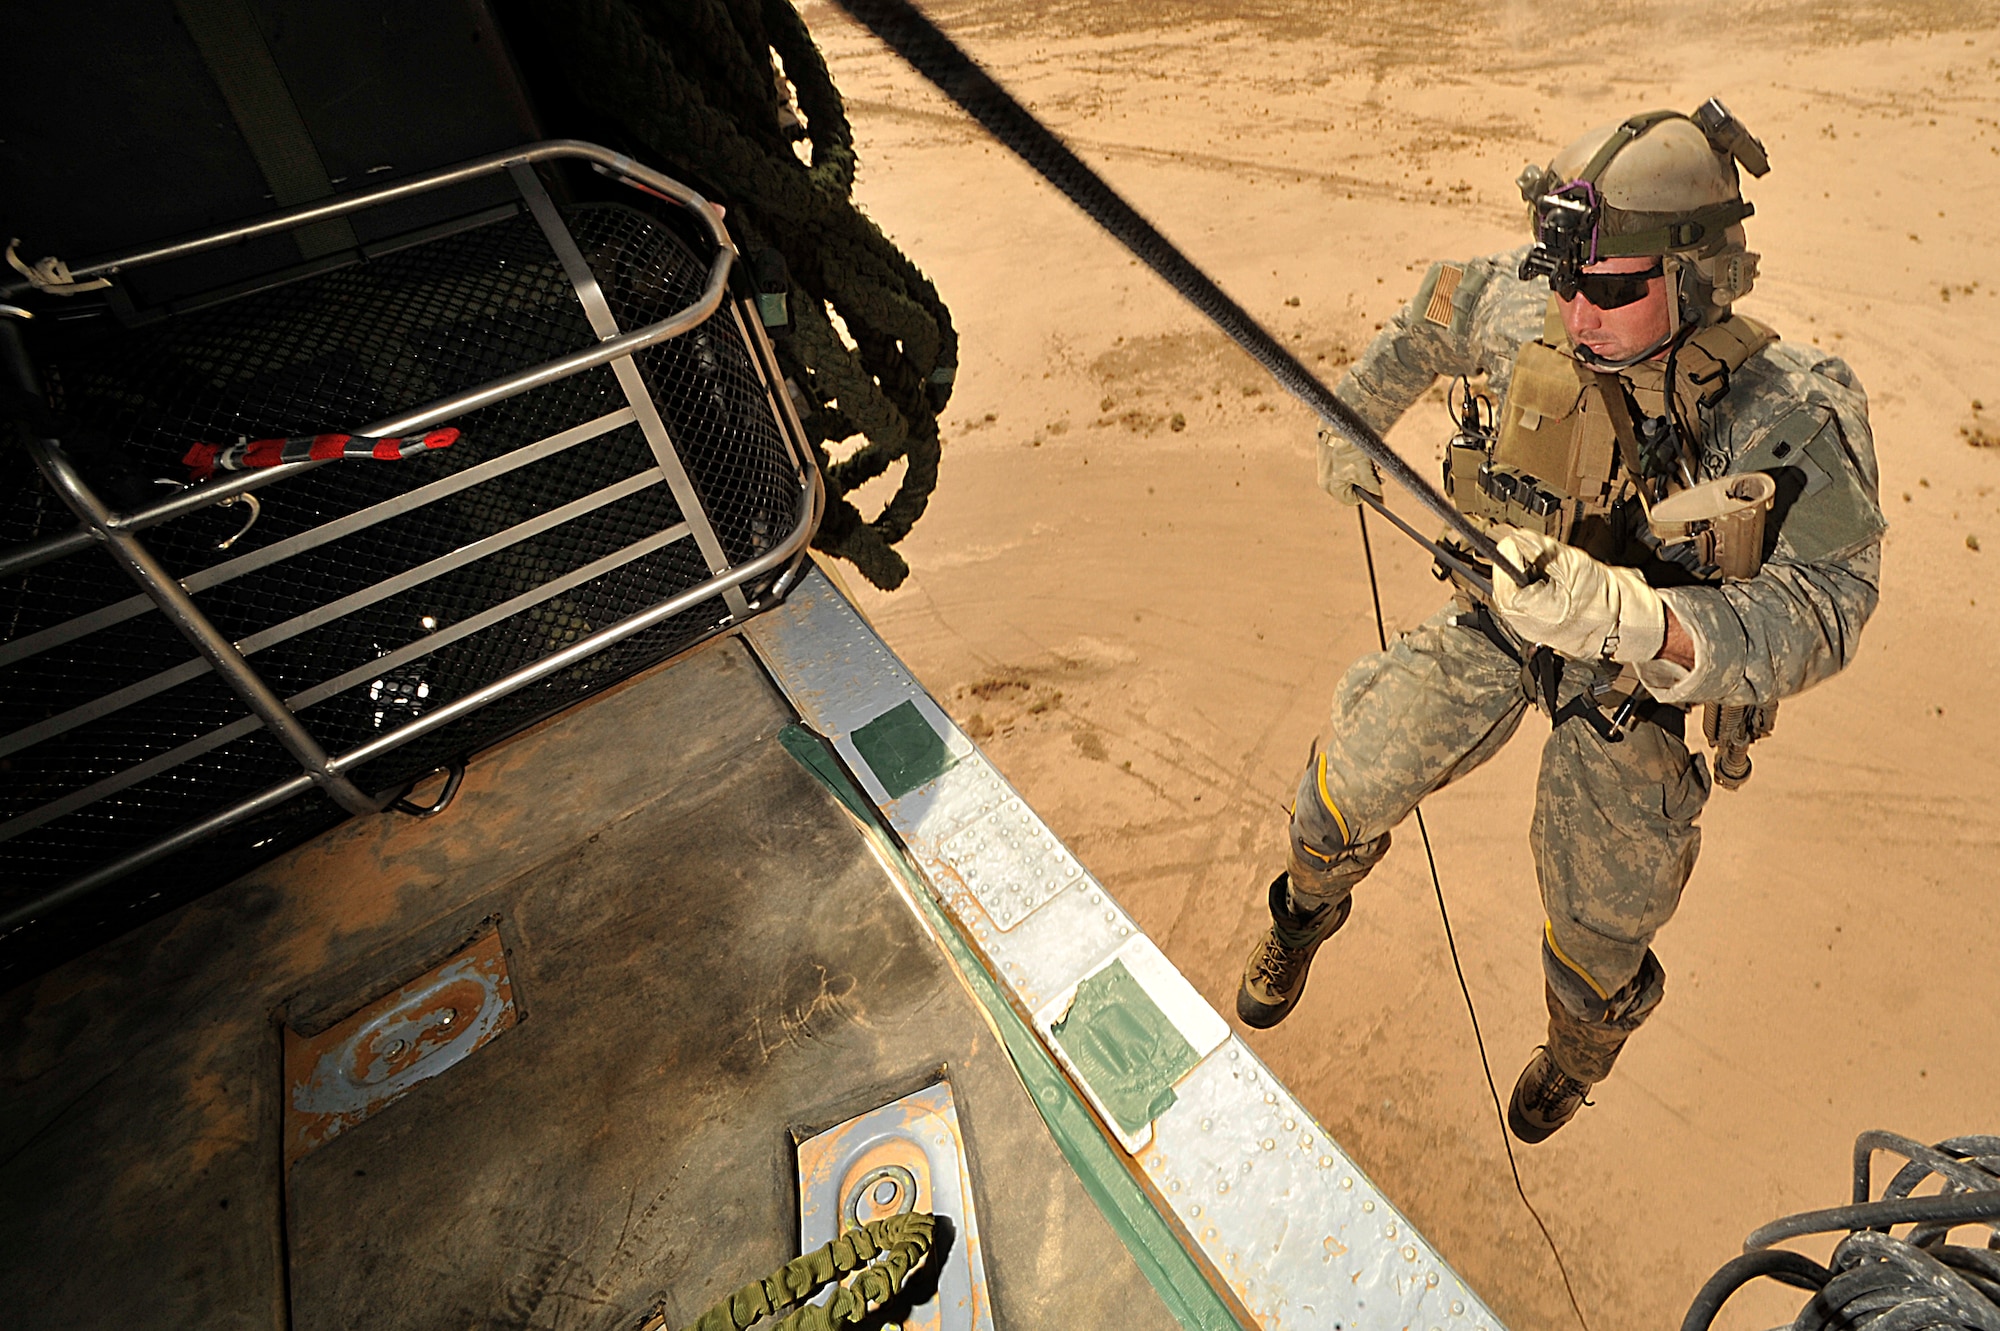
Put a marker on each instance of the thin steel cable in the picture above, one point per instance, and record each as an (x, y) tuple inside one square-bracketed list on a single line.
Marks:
[(1451, 942)]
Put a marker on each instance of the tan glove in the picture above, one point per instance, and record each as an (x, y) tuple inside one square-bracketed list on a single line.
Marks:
[(1343, 469), (1582, 609)]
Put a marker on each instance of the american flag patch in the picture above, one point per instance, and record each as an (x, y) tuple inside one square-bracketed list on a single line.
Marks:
[(1439, 310), (204, 460)]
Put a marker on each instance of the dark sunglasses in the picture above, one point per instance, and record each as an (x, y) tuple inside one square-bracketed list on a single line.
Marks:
[(1610, 291)]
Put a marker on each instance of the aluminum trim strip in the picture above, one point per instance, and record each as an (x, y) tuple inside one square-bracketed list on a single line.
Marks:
[(131, 776), (788, 422), (188, 620), (424, 646), (85, 713), (669, 458), (24, 557), (20, 559), (548, 150), (595, 307), (361, 519), (443, 564), (589, 646), (813, 498), (116, 529), (759, 347), (773, 375), (269, 798), (414, 499), (1279, 1212), (20, 649)]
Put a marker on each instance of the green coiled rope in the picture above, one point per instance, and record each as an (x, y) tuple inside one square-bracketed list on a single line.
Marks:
[(869, 1264), (694, 86)]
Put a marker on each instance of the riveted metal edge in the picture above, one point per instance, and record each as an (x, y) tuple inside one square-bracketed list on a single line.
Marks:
[(1288, 1220)]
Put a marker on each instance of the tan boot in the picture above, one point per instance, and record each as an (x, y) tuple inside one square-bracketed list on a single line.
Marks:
[(1275, 975), (1580, 1052), (1545, 1098)]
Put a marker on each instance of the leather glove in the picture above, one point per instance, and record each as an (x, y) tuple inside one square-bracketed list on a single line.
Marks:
[(1582, 609), (1343, 469)]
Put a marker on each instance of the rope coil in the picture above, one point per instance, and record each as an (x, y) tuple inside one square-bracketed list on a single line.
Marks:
[(1877, 1280), (868, 1265), (696, 85)]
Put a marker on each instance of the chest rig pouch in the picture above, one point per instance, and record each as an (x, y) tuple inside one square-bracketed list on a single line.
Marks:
[(1551, 463), (1569, 445)]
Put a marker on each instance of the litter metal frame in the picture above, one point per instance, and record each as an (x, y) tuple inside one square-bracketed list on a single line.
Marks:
[(118, 533)]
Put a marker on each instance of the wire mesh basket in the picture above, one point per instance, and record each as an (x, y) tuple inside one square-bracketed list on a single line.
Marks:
[(376, 599)]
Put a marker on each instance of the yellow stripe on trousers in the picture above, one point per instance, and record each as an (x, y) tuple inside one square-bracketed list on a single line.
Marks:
[(1549, 932), (1326, 798)]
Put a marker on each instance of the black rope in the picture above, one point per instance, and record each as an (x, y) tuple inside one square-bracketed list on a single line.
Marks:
[(1879, 1281), (911, 35), (1451, 942)]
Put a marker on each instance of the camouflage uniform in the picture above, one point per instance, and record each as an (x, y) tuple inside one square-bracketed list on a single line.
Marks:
[(1614, 835)]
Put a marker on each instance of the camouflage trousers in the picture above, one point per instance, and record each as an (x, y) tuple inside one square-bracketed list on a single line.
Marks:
[(1613, 836)]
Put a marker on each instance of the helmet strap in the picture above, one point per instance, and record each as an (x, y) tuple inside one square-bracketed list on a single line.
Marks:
[(1596, 362), (1676, 272)]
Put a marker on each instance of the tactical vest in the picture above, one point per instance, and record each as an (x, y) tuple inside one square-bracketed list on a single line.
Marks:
[(1573, 444)]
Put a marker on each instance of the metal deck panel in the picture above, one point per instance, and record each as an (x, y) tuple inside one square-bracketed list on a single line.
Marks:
[(706, 956), (1284, 1219)]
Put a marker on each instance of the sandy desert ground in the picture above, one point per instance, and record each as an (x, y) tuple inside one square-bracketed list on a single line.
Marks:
[(1142, 623)]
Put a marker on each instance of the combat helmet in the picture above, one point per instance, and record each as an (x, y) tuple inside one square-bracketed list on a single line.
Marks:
[(1661, 183)]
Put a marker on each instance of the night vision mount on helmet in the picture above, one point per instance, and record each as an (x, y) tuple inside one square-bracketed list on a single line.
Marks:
[(1662, 183)]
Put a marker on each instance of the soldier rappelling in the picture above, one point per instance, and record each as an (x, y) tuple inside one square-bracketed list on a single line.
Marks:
[(1624, 377)]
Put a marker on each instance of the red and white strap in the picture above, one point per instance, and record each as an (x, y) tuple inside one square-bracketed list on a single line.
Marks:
[(204, 460)]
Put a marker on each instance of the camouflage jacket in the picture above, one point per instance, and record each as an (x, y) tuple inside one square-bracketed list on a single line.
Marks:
[(1799, 620)]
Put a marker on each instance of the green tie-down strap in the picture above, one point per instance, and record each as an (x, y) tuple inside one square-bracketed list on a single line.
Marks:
[(879, 1255)]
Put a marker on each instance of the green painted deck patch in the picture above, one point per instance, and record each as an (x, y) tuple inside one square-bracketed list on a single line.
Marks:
[(1124, 1046), (811, 750), (902, 749)]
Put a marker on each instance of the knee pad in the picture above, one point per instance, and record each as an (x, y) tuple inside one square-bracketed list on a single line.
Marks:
[(1319, 880), (1318, 822), (1587, 1027), (1325, 862)]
